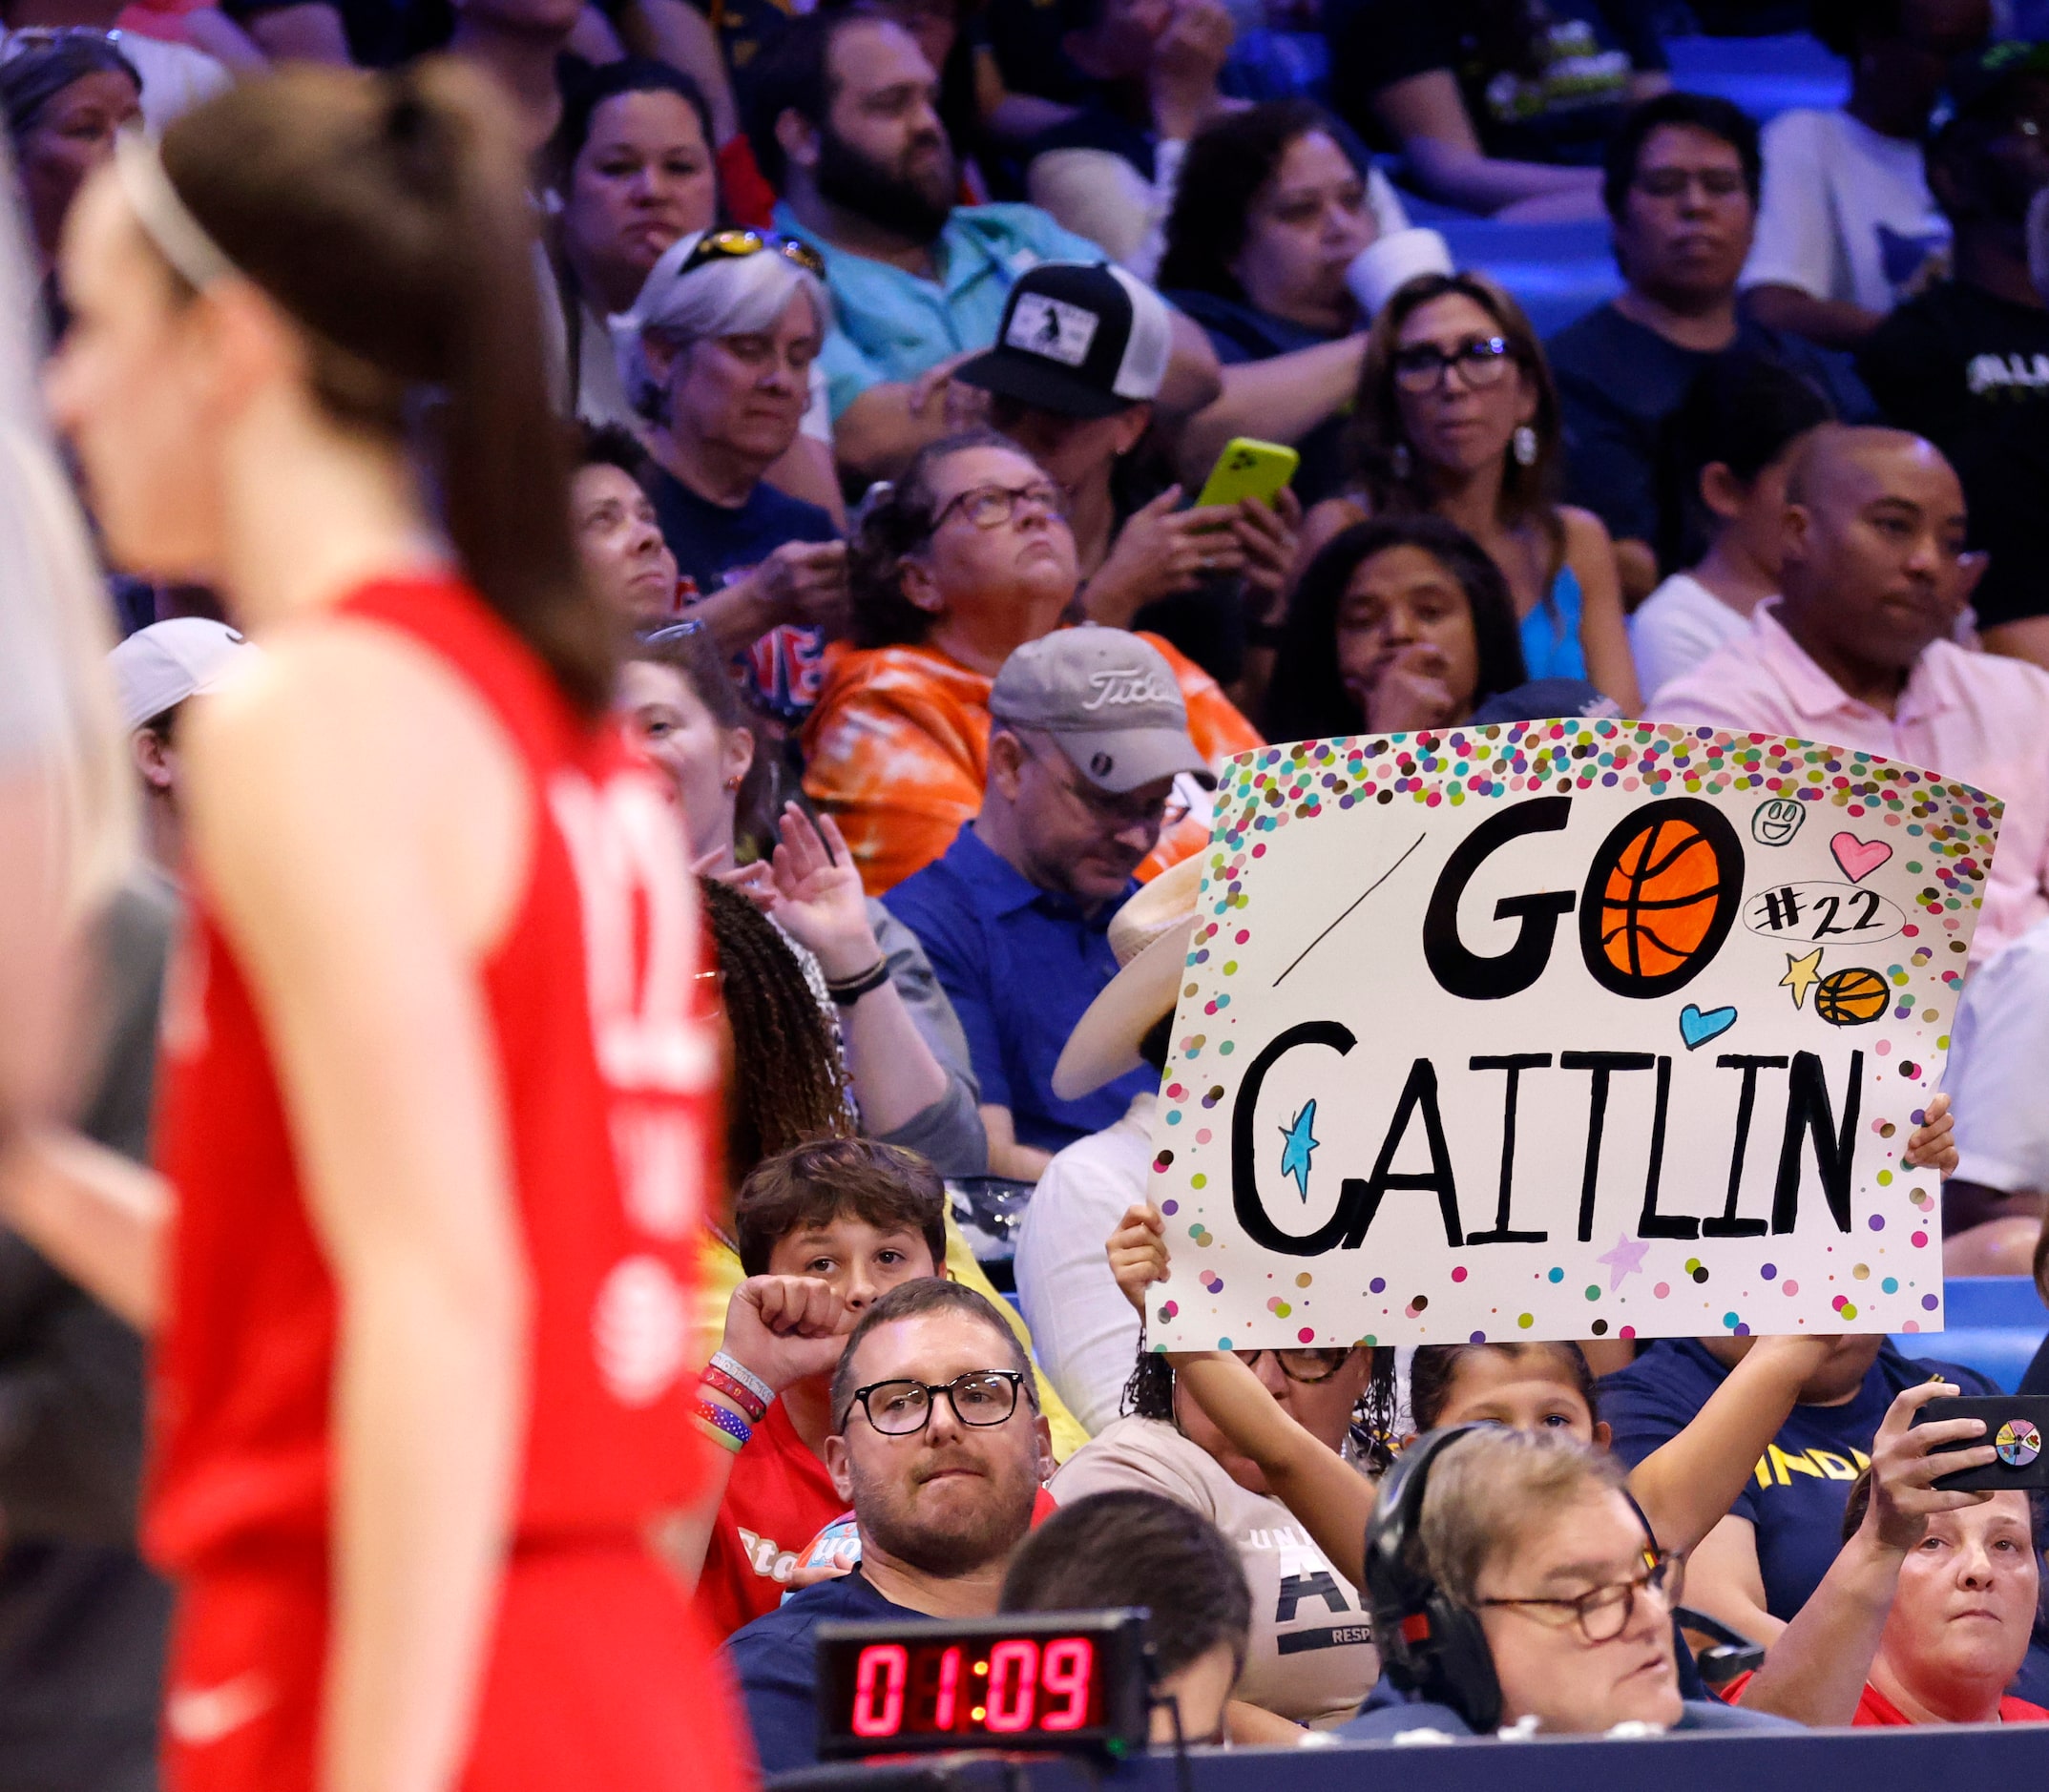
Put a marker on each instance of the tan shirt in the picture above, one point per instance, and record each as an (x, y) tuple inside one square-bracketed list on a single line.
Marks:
[(1312, 1657)]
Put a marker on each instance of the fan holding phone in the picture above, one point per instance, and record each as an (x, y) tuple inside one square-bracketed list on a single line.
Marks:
[(1076, 365)]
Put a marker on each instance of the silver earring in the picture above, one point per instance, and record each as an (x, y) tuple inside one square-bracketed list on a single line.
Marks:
[(1523, 444), (1400, 461)]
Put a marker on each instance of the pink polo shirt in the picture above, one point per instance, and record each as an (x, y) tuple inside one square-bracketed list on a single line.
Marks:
[(1980, 717)]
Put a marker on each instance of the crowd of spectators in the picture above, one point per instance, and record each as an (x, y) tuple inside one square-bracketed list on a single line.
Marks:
[(891, 343)]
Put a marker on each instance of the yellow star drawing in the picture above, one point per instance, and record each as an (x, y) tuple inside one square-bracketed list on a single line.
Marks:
[(1801, 974)]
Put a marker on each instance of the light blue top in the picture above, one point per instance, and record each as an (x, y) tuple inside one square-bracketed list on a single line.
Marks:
[(889, 324), (1551, 631)]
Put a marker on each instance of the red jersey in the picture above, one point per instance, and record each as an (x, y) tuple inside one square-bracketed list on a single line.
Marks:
[(1874, 1708), (608, 1082), (779, 1499)]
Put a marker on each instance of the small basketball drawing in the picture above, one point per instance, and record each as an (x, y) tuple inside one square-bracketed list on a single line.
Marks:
[(1851, 998), (1660, 896)]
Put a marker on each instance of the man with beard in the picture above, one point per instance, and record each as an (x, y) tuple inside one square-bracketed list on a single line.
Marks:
[(938, 1443), (1857, 652), (846, 128)]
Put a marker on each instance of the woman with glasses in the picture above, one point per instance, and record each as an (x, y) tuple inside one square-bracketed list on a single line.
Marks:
[(1456, 415), (964, 560), (717, 357)]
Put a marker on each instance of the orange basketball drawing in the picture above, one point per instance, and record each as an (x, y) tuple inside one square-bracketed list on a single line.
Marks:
[(1851, 998), (1660, 897)]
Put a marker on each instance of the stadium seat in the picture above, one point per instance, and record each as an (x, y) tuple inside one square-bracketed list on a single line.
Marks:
[(1555, 271), (1994, 1326), (1764, 75)]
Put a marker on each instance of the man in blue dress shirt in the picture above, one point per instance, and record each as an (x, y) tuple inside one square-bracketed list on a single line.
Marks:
[(1089, 734)]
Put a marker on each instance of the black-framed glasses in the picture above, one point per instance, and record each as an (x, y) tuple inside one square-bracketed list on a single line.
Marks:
[(1603, 1613), (1114, 813), (729, 245), (991, 507), (1309, 1367), (1480, 360), (905, 1409)]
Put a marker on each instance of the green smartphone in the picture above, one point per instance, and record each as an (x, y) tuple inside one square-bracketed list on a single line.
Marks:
[(1249, 468)]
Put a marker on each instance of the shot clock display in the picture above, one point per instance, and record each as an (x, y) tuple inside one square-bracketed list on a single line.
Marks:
[(1029, 1680)]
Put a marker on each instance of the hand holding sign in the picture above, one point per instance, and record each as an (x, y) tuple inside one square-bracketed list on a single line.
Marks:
[(1463, 1007)]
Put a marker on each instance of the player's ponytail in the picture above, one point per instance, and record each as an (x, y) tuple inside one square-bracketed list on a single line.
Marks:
[(384, 213)]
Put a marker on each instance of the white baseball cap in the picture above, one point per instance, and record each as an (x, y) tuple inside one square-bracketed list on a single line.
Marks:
[(158, 668)]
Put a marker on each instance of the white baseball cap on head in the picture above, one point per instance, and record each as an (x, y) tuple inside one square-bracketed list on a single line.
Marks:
[(158, 668)]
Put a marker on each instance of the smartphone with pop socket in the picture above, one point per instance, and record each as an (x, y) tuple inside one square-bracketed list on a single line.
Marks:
[(1249, 468), (2015, 1427)]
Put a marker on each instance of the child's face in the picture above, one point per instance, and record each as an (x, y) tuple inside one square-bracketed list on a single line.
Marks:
[(1531, 1391), (861, 1261)]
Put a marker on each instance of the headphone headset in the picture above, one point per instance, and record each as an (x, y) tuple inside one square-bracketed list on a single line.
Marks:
[(1428, 1644)]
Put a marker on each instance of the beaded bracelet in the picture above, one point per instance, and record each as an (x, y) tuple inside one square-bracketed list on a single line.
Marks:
[(734, 1390), (726, 1426), (744, 1376), (846, 992)]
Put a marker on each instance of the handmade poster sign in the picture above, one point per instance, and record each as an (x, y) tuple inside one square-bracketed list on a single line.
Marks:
[(1559, 1030)]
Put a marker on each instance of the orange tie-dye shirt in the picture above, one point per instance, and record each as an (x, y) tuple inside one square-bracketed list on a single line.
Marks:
[(898, 748)]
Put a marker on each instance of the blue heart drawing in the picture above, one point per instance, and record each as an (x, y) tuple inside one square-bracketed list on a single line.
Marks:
[(1697, 1029)]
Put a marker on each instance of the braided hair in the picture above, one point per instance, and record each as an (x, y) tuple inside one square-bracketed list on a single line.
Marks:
[(788, 1085)]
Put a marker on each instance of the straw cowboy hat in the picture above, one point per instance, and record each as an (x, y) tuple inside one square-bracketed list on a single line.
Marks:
[(1150, 936)]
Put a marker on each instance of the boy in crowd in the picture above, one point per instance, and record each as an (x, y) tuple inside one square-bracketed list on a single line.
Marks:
[(823, 1231)]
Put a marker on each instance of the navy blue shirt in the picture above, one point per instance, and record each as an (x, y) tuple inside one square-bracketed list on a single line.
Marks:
[(715, 546), (776, 1663), (1376, 1725), (1620, 379), (1797, 1493), (1021, 966)]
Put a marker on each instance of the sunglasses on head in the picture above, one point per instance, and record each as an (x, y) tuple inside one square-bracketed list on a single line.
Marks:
[(731, 245)]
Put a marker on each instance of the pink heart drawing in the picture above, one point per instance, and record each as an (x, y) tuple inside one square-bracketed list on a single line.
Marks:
[(1858, 857)]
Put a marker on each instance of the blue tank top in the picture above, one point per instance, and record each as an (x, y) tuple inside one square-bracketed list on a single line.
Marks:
[(1551, 631)]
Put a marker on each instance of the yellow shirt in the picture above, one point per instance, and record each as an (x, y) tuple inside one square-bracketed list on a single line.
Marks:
[(719, 1273)]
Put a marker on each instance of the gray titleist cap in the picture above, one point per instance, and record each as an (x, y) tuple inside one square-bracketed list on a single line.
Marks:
[(1109, 698)]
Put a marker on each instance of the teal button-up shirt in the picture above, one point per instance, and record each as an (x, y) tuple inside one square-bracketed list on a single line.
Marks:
[(889, 324)]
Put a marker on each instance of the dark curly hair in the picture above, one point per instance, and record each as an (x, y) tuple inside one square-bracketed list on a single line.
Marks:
[(1228, 165), (1149, 1394), (896, 521), (1306, 696), (787, 1084)]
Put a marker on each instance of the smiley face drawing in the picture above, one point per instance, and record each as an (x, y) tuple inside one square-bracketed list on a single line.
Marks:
[(1774, 822)]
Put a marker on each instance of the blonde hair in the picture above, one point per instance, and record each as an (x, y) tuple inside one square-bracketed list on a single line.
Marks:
[(1490, 1490)]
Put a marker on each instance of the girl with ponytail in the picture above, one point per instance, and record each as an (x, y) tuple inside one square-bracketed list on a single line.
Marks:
[(436, 1096)]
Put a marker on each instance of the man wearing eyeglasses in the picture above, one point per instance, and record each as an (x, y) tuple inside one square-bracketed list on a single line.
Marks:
[(1089, 737), (938, 1444), (1531, 1541)]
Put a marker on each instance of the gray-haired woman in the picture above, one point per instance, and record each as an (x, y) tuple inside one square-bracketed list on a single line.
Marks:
[(715, 356)]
